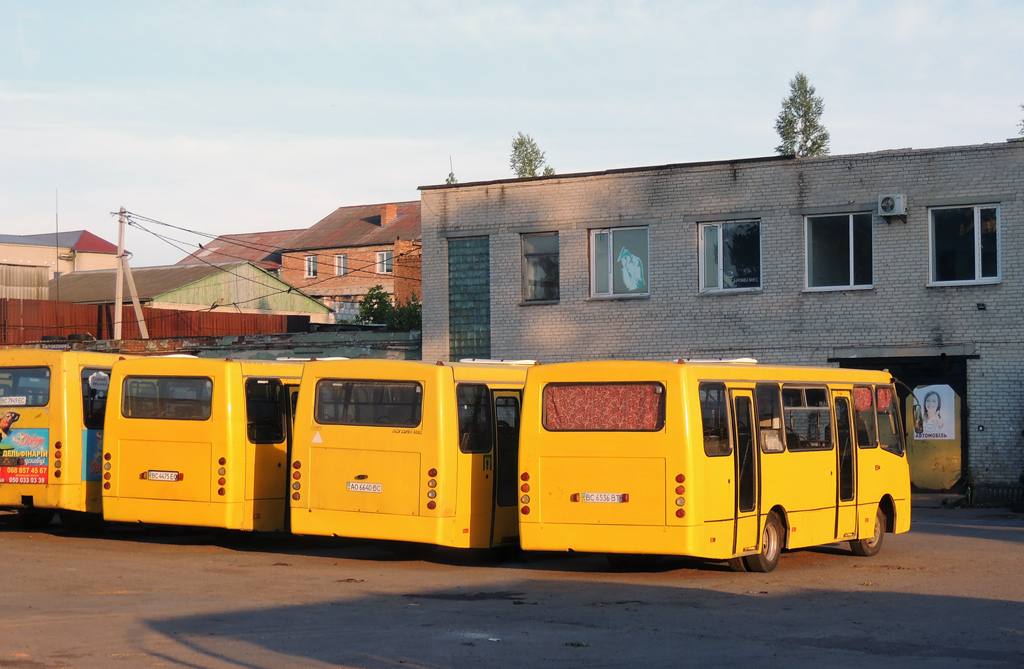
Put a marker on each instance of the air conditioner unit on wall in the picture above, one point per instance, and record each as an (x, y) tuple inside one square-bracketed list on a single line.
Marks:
[(892, 204)]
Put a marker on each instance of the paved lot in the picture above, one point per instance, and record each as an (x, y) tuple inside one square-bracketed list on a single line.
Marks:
[(949, 593)]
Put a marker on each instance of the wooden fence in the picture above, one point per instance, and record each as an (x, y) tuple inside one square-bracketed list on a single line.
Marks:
[(24, 321)]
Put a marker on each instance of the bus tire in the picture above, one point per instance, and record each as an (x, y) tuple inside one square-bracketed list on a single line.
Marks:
[(870, 547), (771, 547), (737, 564)]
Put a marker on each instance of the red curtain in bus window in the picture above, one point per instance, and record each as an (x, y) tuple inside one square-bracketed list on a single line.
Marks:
[(884, 399), (862, 398), (604, 406)]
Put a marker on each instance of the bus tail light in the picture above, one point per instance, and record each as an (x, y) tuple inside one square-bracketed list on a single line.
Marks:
[(221, 492), (625, 497), (106, 485), (296, 465), (296, 496), (526, 511), (296, 475), (431, 505), (525, 487), (222, 461), (431, 488), (575, 497), (525, 476), (680, 478), (680, 513)]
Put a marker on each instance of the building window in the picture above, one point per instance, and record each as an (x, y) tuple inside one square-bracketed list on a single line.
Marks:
[(540, 267), (341, 264), (730, 255), (965, 244), (619, 262), (385, 262), (310, 267), (839, 251)]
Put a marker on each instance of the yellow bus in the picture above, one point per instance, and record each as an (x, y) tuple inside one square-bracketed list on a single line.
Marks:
[(199, 442), (733, 460), (408, 451), (52, 406)]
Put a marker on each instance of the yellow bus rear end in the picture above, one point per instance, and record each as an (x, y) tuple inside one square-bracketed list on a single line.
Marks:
[(408, 451), (199, 442), (52, 408)]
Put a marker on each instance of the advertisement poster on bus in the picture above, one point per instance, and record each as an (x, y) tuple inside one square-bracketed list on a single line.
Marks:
[(92, 455), (24, 453), (934, 413)]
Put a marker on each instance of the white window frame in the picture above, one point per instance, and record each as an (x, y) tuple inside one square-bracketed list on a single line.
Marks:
[(385, 262), (850, 284), (609, 270), (341, 264), (717, 226), (978, 278), (311, 269)]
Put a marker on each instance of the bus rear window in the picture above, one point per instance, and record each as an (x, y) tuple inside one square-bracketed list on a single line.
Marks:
[(474, 402), (24, 386), (381, 403), (167, 397), (615, 407), (807, 418)]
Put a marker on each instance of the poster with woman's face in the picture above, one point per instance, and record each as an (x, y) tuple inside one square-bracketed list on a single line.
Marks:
[(934, 413)]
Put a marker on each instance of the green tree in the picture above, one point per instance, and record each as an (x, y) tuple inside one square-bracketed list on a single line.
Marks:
[(527, 159), (451, 180), (376, 307), (799, 123), (1021, 131), (409, 316)]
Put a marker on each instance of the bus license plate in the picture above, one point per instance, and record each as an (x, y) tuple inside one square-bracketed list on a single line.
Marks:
[(603, 497), (155, 475), (356, 486)]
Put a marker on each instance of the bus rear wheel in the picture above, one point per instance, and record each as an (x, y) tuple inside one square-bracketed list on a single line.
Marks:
[(871, 546), (771, 547)]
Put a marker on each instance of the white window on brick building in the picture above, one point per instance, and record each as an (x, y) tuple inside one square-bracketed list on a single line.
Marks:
[(385, 262), (619, 262), (839, 251), (730, 255), (540, 267), (964, 244), (341, 264), (310, 267)]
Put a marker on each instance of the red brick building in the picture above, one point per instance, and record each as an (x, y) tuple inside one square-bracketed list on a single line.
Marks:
[(351, 250)]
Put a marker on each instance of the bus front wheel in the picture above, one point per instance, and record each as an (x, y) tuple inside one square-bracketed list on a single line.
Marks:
[(871, 546), (771, 547)]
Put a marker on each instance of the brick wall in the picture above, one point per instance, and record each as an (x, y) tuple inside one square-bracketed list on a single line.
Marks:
[(782, 322)]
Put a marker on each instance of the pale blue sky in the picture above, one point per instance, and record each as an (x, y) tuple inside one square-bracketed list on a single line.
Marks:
[(247, 116)]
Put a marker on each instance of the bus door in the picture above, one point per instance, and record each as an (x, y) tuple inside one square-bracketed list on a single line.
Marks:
[(846, 467), (746, 519), (505, 524), (477, 437), (268, 433)]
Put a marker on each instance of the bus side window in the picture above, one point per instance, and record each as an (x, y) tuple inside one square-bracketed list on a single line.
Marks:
[(890, 436), (864, 406), (769, 417), (714, 418), (807, 418), (474, 402), (264, 410)]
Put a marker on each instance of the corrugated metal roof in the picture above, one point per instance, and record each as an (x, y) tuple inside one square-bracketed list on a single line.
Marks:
[(76, 240), (360, 226), (262, 249), (98, 286)]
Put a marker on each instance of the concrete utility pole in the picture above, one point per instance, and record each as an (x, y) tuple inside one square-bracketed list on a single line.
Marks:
[(122, 269), (119, 287)]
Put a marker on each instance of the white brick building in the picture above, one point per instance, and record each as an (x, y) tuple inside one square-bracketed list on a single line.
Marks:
[(786, 260)]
